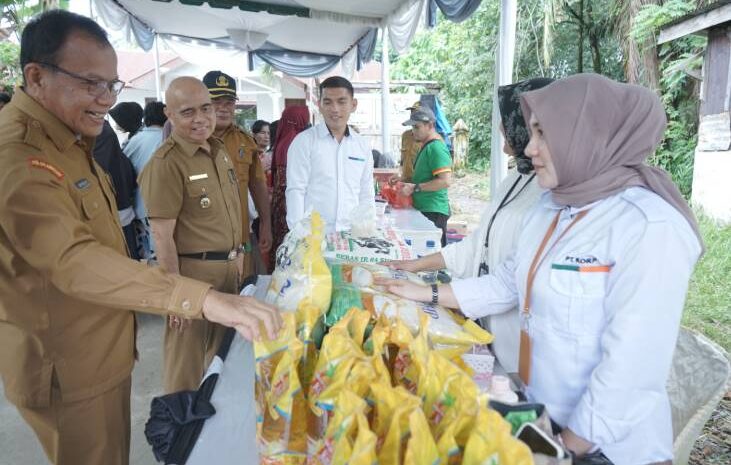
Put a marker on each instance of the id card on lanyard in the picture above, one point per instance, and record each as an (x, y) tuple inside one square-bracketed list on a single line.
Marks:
[(524, 357)]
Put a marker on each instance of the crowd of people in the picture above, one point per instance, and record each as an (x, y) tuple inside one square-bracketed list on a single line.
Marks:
[(579, 267)]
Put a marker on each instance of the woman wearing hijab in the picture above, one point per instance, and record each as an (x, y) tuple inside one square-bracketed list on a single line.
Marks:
[(128, 117), (485, 248), (601, 274), (294, 120)]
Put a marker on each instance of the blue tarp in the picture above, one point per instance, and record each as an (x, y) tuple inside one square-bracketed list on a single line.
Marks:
[(454, 10)]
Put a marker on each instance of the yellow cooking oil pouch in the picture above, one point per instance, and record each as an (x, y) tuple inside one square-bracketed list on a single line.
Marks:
[(448, 393), (268, 354), (308, 317), (364, 445), (336, 444), (355, 323), (393, 406), (421, 448), (450, 452), (284, 424), (337, 355), (490, 442)]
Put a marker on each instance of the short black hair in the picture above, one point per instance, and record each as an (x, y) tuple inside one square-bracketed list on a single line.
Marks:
[(155, 114), (334, 82), (4, 97), (47, 33), (258, 126)]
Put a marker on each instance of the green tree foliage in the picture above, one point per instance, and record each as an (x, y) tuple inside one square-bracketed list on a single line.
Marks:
[(14, 15), (10, 73), (461, 57), (557, 38), (680, 64)]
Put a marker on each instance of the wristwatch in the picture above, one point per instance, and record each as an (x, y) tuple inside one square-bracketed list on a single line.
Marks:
[(434, 294), (417, 187)]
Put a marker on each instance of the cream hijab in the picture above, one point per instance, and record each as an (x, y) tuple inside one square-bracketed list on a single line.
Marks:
[(600, 132)]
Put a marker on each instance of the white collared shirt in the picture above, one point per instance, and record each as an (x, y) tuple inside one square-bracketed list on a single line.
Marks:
[(463, 258), (329, 177), (602, 341)]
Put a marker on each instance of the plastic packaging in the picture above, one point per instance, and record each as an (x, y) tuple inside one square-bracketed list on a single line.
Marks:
[(301, 276), (382, 246), (336, 446), (280, 402), (366, 274), (392, 193), (363, 220), (421, 449)]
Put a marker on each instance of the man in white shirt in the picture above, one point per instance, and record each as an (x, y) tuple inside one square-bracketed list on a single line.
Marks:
[(330, 167)]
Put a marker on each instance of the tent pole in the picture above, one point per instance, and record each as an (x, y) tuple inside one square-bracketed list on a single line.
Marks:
[(385, 94), (158, 93), (503, 76)]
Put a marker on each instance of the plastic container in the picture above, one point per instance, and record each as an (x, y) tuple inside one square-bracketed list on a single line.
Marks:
[(380, 208), (417, 229), (482, 362), (500, 390)]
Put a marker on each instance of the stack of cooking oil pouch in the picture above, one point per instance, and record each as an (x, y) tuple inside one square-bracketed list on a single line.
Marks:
[(385, 385)]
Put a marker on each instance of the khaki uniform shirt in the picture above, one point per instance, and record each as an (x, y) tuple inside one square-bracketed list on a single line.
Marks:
[(197, 188), (409, 149), (242, 149), (66, 287)]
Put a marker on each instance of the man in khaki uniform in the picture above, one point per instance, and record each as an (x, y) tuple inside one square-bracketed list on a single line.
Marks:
[(409, 148), (192, 198), (242, 149), (67, 289)]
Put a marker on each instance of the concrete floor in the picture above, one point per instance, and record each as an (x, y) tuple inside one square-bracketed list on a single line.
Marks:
[(18, 444)]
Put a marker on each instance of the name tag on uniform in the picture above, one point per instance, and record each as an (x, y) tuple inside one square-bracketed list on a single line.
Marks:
[(356, 158), (82, 184), (582, 264), (197, 177)]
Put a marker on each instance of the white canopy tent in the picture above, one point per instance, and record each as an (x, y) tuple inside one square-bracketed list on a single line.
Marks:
[(301, 36)]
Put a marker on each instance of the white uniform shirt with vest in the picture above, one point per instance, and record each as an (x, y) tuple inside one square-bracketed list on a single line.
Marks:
[(606, 307), (329, 177)]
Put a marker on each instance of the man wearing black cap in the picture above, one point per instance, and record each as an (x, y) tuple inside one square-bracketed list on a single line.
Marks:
[(432, 170), (243, 151)]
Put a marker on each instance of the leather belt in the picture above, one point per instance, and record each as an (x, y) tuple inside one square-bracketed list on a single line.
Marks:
[(216, 256)]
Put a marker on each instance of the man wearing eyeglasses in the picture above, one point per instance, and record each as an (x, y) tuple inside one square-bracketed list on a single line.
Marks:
[(242, 149), (66, 286)]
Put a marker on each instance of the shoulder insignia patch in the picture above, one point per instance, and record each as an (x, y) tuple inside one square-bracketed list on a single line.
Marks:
[(248, 136), (36, 163), (165, 148)]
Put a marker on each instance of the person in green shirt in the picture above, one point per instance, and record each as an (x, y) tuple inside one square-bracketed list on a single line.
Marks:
[(432, 173)]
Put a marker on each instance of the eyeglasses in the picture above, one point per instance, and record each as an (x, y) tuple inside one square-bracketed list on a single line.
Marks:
[(97, 88)]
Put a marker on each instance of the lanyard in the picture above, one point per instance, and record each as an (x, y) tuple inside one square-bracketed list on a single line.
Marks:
[(484, 268), (525, 341)]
